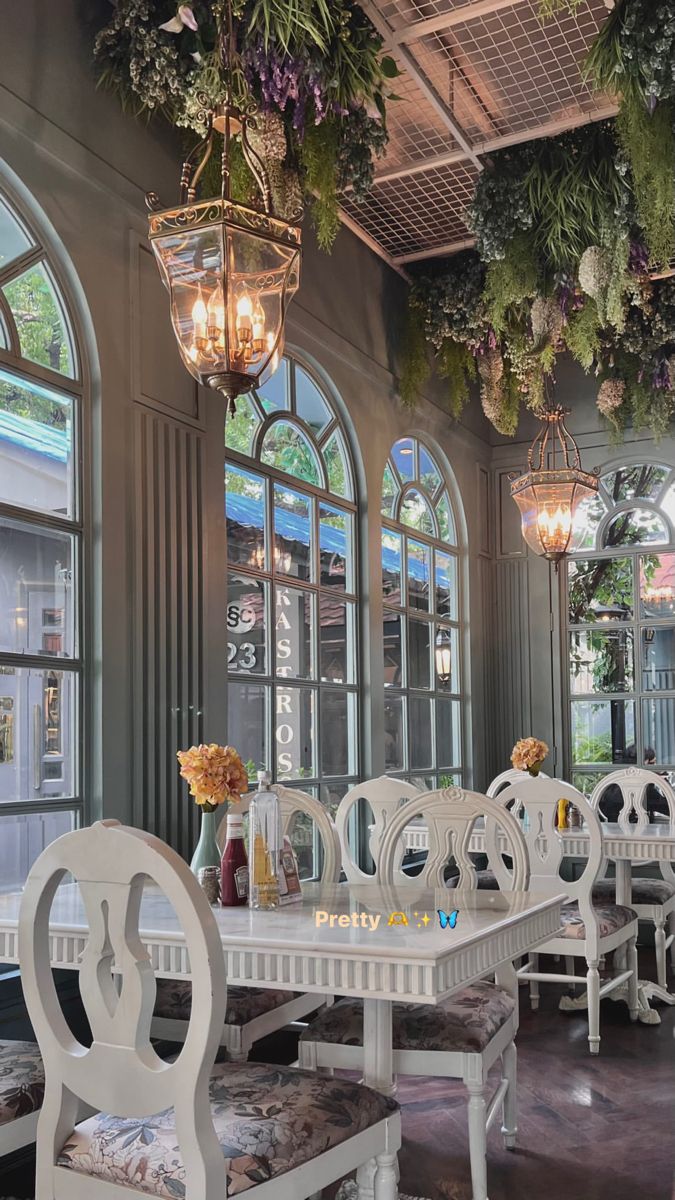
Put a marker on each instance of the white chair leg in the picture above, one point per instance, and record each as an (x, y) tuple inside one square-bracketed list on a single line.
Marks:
[(633, 980), (237, 1055), (307, 1055), (593, 992), (386, 1177), (510, 1111), (671, 930), (365, 1180), (478, 1140), (534, 983), (660, 950)]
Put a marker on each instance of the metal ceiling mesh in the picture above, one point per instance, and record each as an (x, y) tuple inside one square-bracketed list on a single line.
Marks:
[(500, 73)]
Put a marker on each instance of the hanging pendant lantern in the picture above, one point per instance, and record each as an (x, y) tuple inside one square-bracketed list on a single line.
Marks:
[(230, 269), (548, 497), (443, 657)]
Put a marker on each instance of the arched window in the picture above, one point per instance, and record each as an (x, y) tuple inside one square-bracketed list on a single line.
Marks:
[(620, 626), (420, 581), (40, 552), (292, 620)]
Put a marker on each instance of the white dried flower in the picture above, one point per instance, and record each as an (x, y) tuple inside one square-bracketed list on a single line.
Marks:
[(268, 139), (595, 272), (610, 395)]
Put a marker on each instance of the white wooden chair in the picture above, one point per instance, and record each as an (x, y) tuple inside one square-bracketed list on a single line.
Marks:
[(464, 1036), (254, 1013), (652, 899), (589, 932), (385, 796), (180, 1128)]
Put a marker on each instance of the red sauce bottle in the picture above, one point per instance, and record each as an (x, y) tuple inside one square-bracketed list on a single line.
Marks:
[(234, 866)]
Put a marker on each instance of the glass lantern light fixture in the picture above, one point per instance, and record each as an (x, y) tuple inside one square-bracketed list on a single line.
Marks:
[(548, 496), (443, 656), (230, 269)]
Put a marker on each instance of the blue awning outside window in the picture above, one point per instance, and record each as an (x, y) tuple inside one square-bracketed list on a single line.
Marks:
[(34, 436)]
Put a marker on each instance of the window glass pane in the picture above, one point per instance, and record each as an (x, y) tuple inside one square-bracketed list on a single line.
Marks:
[(446, 521), (389, 492), (603, 731), (585, 781), (393, 663), (336, 467), (4, 332), (643, 482), (600, 589), (338, 732), (446, 585), (658, 719), (245, 513), (286, 448), (639, 527), (446, 643), (586, 520), (293, 533), (657, 586), (337, 640), (330, 795), (22, 840), (247, 723), (601, 661), (404, 458), (14, 240), (294, 625), (36, 446), (36, 590), (391, 566), (295, 735), (658, 659), (429, 474), (41, 324), (419, 662), (416, 512), (274, 394), (246, 625), (418, 575), (241, 429), (420, 733), (394, 737), (38, 735), (309, 403), (335, 548), (448, 741)]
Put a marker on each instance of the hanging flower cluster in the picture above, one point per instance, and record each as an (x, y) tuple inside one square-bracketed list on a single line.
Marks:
[(216, 774)]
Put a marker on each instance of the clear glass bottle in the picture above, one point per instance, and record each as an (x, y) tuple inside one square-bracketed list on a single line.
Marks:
[(264, 845)]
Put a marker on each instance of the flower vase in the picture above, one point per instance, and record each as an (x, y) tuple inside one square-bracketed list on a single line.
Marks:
[(534, 770), (207, 853)]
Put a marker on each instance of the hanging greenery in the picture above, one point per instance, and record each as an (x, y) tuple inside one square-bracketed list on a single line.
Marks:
[(309, 65)]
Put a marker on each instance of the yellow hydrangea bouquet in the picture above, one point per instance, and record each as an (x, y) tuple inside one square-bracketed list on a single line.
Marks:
[(216, 775), (528, 755)]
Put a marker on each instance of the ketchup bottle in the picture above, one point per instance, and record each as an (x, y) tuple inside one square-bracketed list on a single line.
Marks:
[(234, 866)]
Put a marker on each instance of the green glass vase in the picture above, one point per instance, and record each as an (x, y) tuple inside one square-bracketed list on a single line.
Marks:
[(207, 852)]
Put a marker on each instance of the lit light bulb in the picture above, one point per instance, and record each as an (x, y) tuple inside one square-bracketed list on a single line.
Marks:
[(244, 324), (199, 318), (555, 527), (215, 315), (258, 318)]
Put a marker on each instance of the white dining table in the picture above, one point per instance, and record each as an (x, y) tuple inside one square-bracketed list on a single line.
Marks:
[(363, 941)]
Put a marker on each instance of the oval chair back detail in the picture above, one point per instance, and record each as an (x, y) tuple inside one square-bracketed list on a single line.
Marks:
[(634, 783), (121, 1073), (511, 776), (451, 815), (385, 797), (291, 802)]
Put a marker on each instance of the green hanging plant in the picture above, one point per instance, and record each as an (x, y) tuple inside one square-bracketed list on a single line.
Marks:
[(457, 365), (319, 159), (510, 281), (582, 335), (415, 366), (649, 143)]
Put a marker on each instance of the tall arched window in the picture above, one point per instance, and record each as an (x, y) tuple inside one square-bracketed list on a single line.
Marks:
[(292, 620), (422, 659), (40, 552), (620, 626)]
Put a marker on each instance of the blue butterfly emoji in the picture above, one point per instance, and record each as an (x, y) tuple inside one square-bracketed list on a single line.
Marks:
[(447, 919)]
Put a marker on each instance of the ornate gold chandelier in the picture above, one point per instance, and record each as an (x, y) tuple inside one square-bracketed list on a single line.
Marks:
[(548, 496), (230, 269)]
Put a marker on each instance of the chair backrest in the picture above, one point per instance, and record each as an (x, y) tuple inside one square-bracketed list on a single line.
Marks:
[(120, 1073), (546, 844), (385, 796), (511, 776), (633, 783), (291, 802), (451, 815)]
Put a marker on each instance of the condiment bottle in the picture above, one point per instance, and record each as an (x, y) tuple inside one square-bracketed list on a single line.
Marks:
[(264, 841), (234, 865), (561, 816)]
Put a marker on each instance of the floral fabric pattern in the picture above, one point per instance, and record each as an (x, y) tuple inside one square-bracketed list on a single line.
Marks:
[(611, 917), (644, 891), (268, 1120), (174, 1000), (466, 1021), (22, 1080)]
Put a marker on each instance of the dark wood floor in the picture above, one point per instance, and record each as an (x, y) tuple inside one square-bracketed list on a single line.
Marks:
[(590, 1128)]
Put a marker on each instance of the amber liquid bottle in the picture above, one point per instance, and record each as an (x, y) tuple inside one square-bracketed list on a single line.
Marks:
[(234, 866)]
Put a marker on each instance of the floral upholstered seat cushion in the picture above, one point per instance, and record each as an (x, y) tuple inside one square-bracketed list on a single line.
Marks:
[(22, 1080), (174, 1000), (268, 1120), (465, 1022), (643, 891), (611, 917)]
